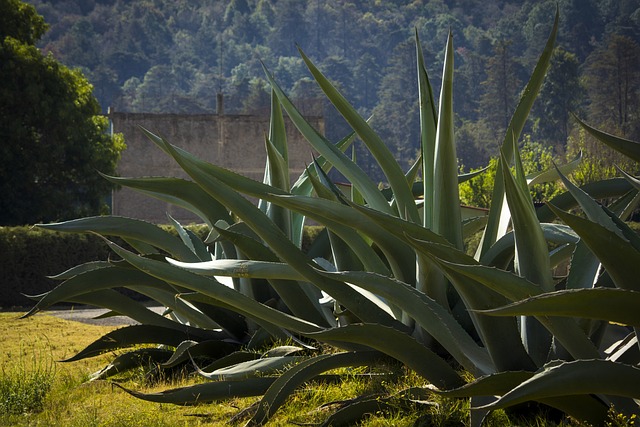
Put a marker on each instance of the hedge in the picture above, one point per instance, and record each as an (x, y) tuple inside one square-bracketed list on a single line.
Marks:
[(30, 254)]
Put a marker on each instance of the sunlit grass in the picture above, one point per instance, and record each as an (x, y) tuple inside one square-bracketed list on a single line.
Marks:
[(32, 347)]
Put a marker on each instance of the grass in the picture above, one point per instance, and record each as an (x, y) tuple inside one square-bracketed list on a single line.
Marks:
[(36, 390)]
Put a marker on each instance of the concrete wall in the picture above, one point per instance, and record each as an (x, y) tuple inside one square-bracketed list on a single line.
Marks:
[(235, 142)]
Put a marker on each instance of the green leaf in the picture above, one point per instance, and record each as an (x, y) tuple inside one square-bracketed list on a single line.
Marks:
[(294, 296), (331, 153), (430, 315), (497, 225), (551, 174), (398, 345), (532, 255), (140, 334), (627, 147), (254, 368), (206, 392), (303, 372), (126, 228), (617, 255), (517, 288), (447, 217), (575, 378), (212, 288), (428, 128), (130, 360), (613, 305), (382, 154), (179, 192), (605, 189)]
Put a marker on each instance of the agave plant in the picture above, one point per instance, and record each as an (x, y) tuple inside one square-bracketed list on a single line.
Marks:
[(394, 283)]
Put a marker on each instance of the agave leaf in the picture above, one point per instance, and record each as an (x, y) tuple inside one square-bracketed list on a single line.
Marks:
[(212, 288), (617, 255), (278, 177), (464, 177), (294, 297), (127, 228), (582, 407), (428, 128), (446, 201), (354, 412), (303, 187), (398, 255), (81, 268), (190, 240), (141, 334), (584, 268), (241, 268), (501, 253), (551, 174), (627, 147), (331, 153), (125, 306), (179, 307), (130, 360), (613, 305), (106, 277), (190, 350), (632, 179), (206, 392), (532, 255), (578, 377), (179, 192), (254, 368), (604, 189), (430, 315), (516, 288), (497, 225), (382, 154), (398, 345), (502, 339), (590, 207), (303, 372)]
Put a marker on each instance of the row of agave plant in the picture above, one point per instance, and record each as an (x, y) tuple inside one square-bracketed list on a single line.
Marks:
[(387, 279)]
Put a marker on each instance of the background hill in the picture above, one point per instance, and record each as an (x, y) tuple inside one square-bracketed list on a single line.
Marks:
[(175, 55)]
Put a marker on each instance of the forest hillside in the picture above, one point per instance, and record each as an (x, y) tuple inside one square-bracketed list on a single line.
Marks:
[(176, 55)]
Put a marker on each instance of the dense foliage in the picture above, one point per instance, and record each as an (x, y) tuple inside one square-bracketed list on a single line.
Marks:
[(388, 280), (52, 138), (173, 56)]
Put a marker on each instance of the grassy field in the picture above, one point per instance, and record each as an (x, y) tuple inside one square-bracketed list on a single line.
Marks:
[(36, 390)]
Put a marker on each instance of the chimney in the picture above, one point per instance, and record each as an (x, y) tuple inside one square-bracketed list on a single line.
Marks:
[(220, 104)]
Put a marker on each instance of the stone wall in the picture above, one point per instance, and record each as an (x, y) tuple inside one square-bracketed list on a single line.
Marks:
[(235, 142)]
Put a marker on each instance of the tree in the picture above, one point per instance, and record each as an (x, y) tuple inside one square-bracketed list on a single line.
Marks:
[(501, 88), (561, 94), (52, 139), (613, 80)]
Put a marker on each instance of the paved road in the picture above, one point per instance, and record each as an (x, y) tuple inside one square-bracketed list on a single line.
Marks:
[(86, 314)]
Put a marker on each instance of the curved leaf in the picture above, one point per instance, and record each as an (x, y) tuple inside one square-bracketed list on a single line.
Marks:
[(179, 192), (206, 392), (382, 154), (398, 345), (497, 224), (613, 305), (575, 378), (627, 147), (303, 372), (138, 334), (616, 254), (127, 228)]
